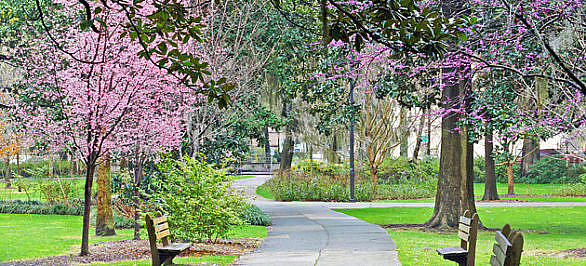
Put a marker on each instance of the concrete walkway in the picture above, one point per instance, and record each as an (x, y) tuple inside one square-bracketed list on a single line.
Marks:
[(310, 233), (307, 235)]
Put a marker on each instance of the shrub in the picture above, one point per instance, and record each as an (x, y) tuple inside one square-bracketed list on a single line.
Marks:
[(36, 207), (577, 190), (393, 170), (500, 171), (197, 198), (58, 191), (318, 182), (408, 189), (255, 216), (553, 170)]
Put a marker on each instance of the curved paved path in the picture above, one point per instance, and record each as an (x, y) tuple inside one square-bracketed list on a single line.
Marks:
[(307, 235), (310, 233)]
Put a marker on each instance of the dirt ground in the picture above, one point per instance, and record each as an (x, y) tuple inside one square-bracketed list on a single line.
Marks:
[(139, 249)]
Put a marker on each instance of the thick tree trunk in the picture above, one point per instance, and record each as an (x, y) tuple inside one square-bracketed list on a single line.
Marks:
[(89, 179), (530, 155), (511, 189), (104, 216), (455, 192), (490, 192), (418, 138), (138, 176)]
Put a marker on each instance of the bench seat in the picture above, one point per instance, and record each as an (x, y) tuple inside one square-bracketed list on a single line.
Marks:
[(451, 251), (174, 247)]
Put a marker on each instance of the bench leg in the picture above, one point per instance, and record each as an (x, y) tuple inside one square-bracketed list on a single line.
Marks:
[(461, 260), (167, 258)]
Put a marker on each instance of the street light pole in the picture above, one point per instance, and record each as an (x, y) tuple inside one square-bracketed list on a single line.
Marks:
[(351, 100)]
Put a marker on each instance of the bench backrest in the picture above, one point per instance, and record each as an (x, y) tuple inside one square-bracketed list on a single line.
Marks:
[(507, 249), (158, 228), (468, 232)]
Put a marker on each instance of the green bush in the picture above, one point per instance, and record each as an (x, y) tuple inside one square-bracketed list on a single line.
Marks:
[(576, 190), (197, 198), (36, 207), (255, 216), (500, 171), (59, 191), (393, 170), (553, 170), (408, 189), (314, 181)]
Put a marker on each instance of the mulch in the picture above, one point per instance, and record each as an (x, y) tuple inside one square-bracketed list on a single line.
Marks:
[(112, 251)]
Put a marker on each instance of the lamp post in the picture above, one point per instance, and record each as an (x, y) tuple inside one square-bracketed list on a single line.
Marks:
[(351, 100)]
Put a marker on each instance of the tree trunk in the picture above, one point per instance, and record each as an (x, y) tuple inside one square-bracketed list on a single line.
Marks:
[(71, 166), (530, 155), (267, 148), (455, 192), (18, 162), (374, 176), (7, 174), (138, 176), (333, 151), (104, 216), (89, 179), (418, 138), (490, 192), (511, 190), (404, 148), (287, 152)]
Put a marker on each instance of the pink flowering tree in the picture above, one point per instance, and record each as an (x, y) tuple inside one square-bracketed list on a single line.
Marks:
[(99, 97)]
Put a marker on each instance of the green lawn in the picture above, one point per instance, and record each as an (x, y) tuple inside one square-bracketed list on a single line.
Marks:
[(236, 177), (551, 229), (34, 193), (264, 191), (525, 189), (544, 199), (36, 236)]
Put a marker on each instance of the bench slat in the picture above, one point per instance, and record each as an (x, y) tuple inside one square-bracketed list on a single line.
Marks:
[(499, 253), (502, 241), (494, 261), (161, 227), (163, 234), (464, 228), (465, 220), (462, 235), (159, 220)]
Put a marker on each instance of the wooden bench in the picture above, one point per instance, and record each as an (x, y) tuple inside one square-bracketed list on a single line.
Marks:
[(158, 228), (507, 249), (467, 232)]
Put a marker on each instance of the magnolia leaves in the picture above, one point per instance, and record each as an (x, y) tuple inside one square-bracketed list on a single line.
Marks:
[(399, 25)]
